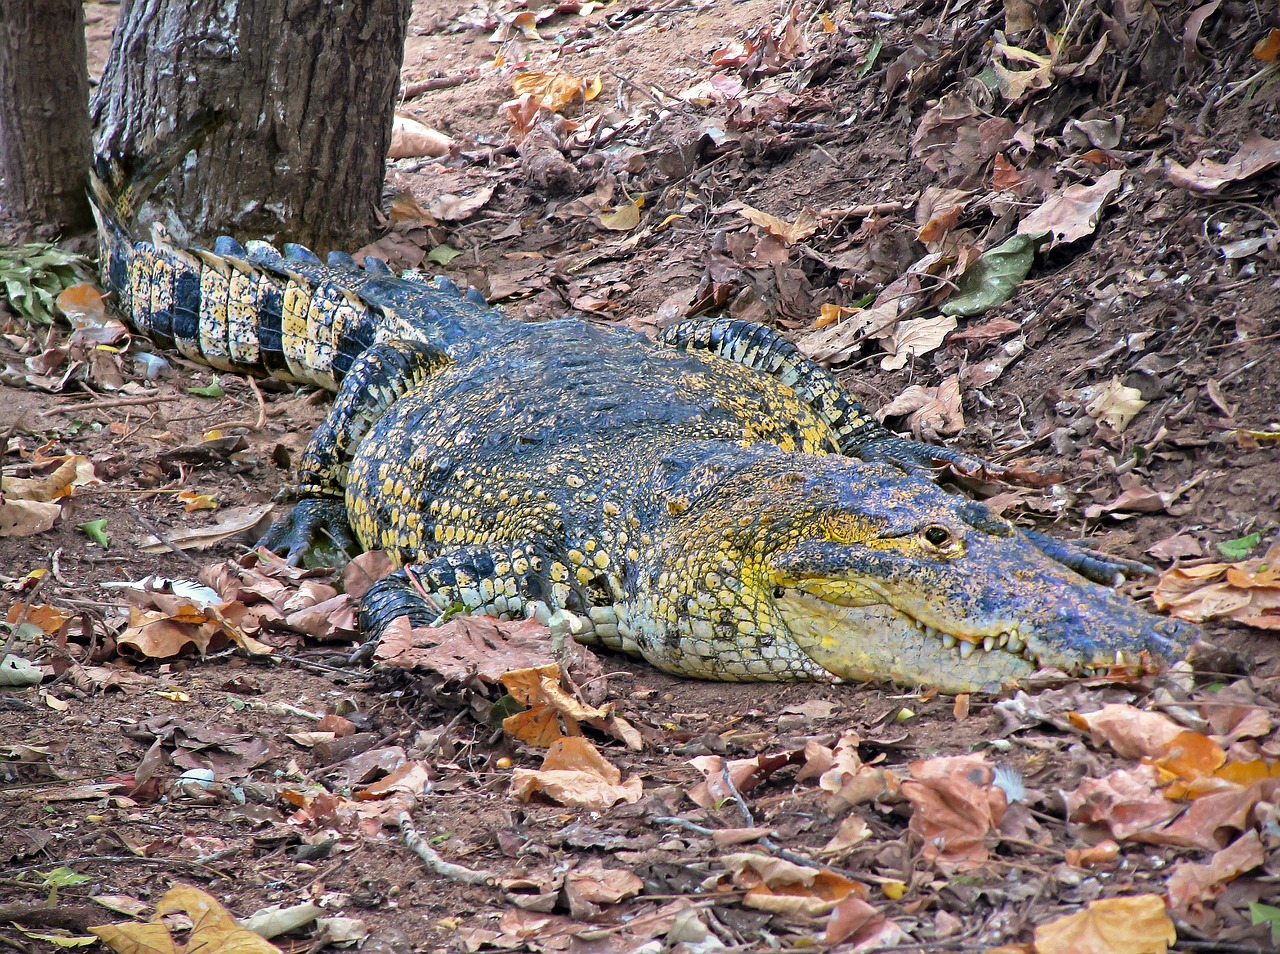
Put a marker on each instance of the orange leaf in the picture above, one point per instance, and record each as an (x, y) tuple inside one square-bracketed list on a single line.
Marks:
[(1132, 925)]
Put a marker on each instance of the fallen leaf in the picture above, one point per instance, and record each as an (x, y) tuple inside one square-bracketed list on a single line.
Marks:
[(1137, 924), (955, 809), (915, 338), (213, 929), (229, 523), (1133, 733), (1016, 85), (991, 280), (1126, 804), (1193, 886), (624, 217), (784, 887), (574, 773), (1256, 154), (931, 412), (410, 139), (1248, 591), (1116, 405), (454, 208), (23, 518), (1073, 213), (555, 91), (806, 224)]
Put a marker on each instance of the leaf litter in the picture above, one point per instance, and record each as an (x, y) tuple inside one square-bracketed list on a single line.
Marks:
[(1112, 833)]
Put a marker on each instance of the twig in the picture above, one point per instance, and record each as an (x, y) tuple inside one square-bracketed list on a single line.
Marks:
[(771, 846), (436, 82), (437, 865), (155, 532), (102, 405), (262, 412)]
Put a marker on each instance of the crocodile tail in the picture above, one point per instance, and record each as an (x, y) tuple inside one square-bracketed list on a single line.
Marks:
[(254, 309)]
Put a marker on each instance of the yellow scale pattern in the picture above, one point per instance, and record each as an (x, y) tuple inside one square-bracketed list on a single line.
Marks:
[(568, 497)]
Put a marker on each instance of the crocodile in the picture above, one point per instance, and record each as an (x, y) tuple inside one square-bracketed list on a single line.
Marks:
[(711, 500)]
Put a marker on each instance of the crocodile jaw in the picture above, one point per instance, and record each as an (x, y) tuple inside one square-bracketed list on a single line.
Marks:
[(876, 642)]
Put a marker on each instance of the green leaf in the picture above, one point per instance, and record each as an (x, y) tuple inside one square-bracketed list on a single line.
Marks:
[(1261, 913), (872, 55), (62, 878), (213, 390), (1239, 548), (96, 530), (442, 254), (990, 280), (33, 275)]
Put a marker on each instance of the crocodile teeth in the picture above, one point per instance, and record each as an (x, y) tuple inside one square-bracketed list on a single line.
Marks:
[(949, 641), (1119, 658), (967, 648), (1015, 644), (988, 643)]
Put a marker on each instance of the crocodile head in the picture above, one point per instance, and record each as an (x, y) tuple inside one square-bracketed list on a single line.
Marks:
[(875, 574)]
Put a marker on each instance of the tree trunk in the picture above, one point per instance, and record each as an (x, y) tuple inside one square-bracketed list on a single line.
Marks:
[(44, 117), (310, 85)]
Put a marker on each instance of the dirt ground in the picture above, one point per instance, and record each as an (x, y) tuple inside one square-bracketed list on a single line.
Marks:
[(1136, 360)]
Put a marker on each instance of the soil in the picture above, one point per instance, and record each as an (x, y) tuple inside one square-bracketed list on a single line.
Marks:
[(1158, 298)]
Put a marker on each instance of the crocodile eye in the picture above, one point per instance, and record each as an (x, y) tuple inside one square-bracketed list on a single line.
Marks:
[(779, 592), (937, 536)]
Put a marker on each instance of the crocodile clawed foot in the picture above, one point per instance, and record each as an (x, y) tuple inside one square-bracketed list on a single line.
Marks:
[(920, 457), (392, 596), (1105, 568), (312, 521)]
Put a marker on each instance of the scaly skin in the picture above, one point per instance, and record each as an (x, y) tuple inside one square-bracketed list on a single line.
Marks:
[(689, 501)]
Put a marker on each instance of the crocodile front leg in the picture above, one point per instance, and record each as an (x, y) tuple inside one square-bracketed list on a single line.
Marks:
[(377, 379)]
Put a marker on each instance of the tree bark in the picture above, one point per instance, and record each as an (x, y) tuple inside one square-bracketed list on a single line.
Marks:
[(310, 85), (44, 117)]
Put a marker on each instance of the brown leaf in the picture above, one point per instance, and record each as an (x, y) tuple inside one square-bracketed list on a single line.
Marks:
[(213, 929), (1126, 804), (410, 138), (454, 208), (1132, 925), (1072, 213), (1193, 886), (783, 887), (1256, 154), (1248, 591), (1133, 733), (955, 809), (574, 773), (806, 224)]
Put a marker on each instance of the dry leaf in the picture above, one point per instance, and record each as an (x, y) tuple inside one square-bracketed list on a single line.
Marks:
[(931, 412), (1127, 804), (229, 523), (1256, 154), (1133, 733), (1116, 405), (914, 338), (806, 224), (1134, 925), (454, 208), (783, 887), (624, 217), (22, 518), (410, 139), (1193, 886), (574, 773), (955, 809), (1072, 213), (1247, 592), (213, 929), (555, 91)]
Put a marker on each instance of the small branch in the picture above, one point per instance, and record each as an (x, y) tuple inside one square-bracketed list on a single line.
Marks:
[(437, 865), (102, 405), (436, 82)]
